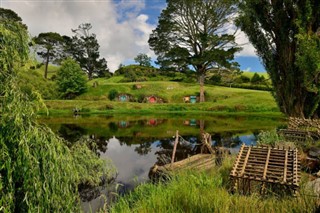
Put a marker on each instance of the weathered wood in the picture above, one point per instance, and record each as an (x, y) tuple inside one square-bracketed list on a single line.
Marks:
[(285, 167), (195, 162), (266, 165), (175, 147), (245, 162)]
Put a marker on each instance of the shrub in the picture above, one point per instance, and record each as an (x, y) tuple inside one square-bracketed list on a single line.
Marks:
[(113, 94), (71, 80), (244, 79), (269, 138)]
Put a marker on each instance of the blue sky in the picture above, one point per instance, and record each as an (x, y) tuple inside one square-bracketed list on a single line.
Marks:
[(122, 26)]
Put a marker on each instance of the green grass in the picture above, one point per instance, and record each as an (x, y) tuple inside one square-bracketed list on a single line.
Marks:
[(52, 70), (193, 191), (218, 99)]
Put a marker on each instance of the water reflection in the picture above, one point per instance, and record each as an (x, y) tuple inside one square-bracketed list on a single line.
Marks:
[(136, 143)]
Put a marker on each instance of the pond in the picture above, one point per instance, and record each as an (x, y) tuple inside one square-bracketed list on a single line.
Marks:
[(136, 143)]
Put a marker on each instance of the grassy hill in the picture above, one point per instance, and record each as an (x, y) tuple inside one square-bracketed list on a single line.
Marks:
[(169, 86), (218, 99)]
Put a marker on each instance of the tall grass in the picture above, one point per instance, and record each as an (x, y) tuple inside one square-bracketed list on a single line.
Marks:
[(193, 191)]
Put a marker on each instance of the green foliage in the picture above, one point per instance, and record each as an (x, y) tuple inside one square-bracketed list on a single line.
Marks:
[(38, 171), (70, 79), (143, 60), (49, 47), (215, 79), (289, 52), (32, 80), (270, 138), (133, 73), (194, 38), (113, 94), (84, 48), (256, 78), (244, 79), (14, 47)]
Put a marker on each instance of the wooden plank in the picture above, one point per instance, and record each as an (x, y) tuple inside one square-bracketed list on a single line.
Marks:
[(285, 167), (295, 168), (245, 161), (175, 147), (234, 170), (267, 162)]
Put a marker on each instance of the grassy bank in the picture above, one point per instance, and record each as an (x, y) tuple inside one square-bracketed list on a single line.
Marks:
[(218, 99), (207, 192)]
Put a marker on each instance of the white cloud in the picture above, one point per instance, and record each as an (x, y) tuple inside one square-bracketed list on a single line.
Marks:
[(248, 69), (122, 31), (243, 41)]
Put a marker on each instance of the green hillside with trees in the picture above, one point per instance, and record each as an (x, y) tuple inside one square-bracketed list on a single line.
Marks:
[(195, 45)]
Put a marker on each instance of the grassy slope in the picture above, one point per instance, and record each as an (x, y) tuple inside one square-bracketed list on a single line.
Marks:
[(220, 99)]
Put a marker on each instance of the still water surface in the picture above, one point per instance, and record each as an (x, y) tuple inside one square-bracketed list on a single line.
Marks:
[(136, 143)]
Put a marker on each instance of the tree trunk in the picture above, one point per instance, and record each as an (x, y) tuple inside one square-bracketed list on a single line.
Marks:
[(201, 81), (46, 67)]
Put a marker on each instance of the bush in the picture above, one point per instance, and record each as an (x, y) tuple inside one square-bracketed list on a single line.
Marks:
[(257, 79), (270, 138), (113, 94), (244, 79), (71, 80)]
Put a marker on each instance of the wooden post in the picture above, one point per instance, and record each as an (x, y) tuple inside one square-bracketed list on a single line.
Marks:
[(175, 147)]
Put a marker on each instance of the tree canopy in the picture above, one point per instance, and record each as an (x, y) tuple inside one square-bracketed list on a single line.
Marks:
[(285, 34), (194, 33), (143, 60), (50, 46), (70, 79), (84, 48)]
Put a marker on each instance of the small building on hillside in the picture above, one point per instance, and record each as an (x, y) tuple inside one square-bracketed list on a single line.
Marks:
[(190, 99), (193, 99), (186, 99), (124, 97), (152, 99)]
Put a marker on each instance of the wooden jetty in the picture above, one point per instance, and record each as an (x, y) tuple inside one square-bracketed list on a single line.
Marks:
[(266, 169)]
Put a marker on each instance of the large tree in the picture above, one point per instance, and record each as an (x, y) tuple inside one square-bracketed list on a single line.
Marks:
[(84, 48), (194, 32), (50, 47), (285, 34)]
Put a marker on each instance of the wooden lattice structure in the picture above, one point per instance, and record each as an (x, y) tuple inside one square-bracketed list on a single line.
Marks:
[(265, 169), (296, 135)]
